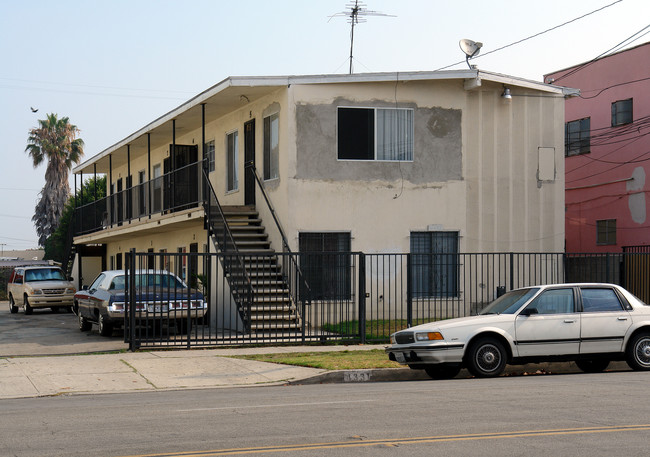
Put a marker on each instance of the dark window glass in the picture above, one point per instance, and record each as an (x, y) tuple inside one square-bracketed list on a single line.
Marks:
[(595, 300), (356, 133), (434, 264), (577, 137), (606, 231), (326, 265), (622, 112)]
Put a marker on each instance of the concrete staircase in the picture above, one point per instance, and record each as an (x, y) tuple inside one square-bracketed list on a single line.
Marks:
[(272, 308)]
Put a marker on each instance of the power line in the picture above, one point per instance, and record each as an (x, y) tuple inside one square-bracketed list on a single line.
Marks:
[(600, 91), (535, 35)]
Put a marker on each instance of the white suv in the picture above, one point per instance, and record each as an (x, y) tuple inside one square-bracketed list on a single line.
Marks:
[(39, 287)]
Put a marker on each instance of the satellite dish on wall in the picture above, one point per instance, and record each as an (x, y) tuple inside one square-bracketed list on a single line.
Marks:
[(470, 48)]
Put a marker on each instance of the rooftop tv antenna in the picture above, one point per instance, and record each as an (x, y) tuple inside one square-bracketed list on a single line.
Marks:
[(356, 15), (470, 48)]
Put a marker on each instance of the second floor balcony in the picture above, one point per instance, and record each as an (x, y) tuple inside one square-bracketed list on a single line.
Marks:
[(172, 192)]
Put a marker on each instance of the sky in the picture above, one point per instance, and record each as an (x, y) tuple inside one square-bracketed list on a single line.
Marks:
[(114, 66)]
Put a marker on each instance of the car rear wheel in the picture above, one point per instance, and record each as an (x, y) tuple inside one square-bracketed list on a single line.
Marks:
[(487, 358), (28, 307), (593, 366), (84, 325), (13, 309), (638, 352), (105, 327), (442, 371)]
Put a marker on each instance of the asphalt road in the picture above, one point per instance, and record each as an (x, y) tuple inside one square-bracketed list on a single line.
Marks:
[(46, 332), (553, 415)]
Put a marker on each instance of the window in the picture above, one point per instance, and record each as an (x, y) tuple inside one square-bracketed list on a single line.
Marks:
[(232, 148), (434, 264), (271, 146), (326, 265), (375, 134), (559, 301), (596, 300), (622, 112), (209, 153), (577, 137), (606, 231)]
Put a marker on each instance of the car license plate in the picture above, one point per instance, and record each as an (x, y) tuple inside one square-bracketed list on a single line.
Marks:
[(157, 309), (399, 356)]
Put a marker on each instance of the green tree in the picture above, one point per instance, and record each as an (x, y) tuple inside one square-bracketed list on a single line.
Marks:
[(55, 245), (54, 140)]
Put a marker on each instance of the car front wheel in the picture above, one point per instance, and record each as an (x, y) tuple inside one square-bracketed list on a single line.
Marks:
[(592, 366), (13, 309), (487, 358), (105, 327), (638, 352), (28, 307), (84, 325)]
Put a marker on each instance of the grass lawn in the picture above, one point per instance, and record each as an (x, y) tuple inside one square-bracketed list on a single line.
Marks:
[(341, 360)]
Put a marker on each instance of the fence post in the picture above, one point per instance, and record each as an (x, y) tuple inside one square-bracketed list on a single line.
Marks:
[(409, 293), (130, 305), (362, 297), (512, 271)]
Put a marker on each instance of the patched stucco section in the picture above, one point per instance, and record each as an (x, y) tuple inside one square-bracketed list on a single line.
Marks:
[(437, 154), (637, 201)]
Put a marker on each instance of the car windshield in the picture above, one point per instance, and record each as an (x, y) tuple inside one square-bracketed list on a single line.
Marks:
[(510, 302), (150, 280), (44, 274)]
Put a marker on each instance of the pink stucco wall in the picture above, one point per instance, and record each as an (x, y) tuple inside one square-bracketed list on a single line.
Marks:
[(613, 180)]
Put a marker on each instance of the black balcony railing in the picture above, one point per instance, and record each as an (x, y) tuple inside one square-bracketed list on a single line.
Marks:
[(174, 191)]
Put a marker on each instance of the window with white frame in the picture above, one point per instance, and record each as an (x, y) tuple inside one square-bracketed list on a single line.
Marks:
[(375, 134), (271, 146), (209, 152), (232, 148)]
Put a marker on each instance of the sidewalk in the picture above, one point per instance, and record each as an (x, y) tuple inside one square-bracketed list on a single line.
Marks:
[(39, 376)]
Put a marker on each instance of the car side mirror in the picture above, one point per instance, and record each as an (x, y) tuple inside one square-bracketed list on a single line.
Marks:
[(71, 279), (84, 287), (529, 311)]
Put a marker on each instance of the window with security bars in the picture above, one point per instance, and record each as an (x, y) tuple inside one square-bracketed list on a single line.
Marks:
[(434, 264), (622, 112), (606, 231), (375, 134), (326, 265), (577, 137)]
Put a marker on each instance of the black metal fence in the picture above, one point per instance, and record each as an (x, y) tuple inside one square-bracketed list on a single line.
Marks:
[(359, 298)]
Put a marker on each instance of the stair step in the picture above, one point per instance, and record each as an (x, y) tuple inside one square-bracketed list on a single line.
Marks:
[(277, 308), (273, 317), (281, 325)]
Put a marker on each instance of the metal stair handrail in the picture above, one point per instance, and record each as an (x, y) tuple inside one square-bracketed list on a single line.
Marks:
[(285, 243), (230, 256)]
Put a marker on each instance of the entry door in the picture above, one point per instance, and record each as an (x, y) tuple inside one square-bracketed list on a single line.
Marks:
[(249, 162)]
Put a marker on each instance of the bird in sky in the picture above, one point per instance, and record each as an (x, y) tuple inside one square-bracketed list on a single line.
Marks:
[(34, 110)]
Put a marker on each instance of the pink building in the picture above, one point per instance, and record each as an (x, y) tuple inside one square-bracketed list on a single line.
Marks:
[(607, 151)]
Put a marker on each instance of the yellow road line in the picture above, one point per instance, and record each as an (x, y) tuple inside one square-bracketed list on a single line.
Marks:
[(394, 441)]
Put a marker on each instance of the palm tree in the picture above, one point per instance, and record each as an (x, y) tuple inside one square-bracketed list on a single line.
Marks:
[(55, 140)]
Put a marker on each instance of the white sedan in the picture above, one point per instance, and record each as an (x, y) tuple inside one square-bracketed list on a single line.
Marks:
[(591, 324)]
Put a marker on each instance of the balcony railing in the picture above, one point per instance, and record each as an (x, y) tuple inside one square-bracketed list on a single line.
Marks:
[(172, 192)]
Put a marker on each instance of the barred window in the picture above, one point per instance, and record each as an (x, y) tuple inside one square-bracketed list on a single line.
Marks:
[(577, 137), (434, 264), (606, 231), (622, 112), (326, 264)]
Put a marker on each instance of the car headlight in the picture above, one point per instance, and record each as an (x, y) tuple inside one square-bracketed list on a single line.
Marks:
[(428, 336), (37, 292), (70, 290), (392, 339)]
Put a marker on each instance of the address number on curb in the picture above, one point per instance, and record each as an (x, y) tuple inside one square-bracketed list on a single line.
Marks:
[(356, 376)]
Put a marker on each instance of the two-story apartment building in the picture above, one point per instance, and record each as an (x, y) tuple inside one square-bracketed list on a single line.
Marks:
[(381, 163), (607, 151)]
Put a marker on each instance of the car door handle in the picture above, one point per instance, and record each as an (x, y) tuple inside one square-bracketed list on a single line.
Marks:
[(622, 318), (569, 321)]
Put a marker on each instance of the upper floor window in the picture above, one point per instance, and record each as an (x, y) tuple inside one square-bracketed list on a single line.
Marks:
[(606, 231), (271, 146), (375, 134), (622, 112), (577, 137), (232, 148), (209, 153)]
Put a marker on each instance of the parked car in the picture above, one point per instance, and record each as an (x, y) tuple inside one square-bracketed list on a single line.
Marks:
[(161, 297), (591, 324), (39, 287)]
